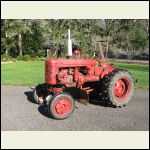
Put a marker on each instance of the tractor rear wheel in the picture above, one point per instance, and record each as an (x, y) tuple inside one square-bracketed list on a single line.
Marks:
[(61, 106), (117, 88)]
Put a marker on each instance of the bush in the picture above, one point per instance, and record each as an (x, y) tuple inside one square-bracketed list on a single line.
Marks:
[(52, 56), (122, 56), (20, 57), (41, 53), (5, 57), (26, 57), (14, 59), (35, 58)]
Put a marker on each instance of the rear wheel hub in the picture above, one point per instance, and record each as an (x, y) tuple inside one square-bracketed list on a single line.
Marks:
[(121, 89)]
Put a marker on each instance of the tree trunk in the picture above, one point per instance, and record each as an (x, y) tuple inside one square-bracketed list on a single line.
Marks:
[(132, 53), (20, 44), (100, 53), (107, 48), (128, 53), (6, 52), (6, 36)]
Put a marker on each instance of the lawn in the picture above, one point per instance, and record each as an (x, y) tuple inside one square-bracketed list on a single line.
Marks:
[(139, 72), (32, 72), (22, 73)]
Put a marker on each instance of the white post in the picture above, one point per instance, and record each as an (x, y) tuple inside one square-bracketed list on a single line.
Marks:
[(69, 44), (47, 52)]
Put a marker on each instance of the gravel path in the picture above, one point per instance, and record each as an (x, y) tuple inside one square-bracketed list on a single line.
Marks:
[(20, 113)]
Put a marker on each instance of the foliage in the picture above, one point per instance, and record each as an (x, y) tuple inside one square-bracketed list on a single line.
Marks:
[(33, 36), (20, 57), (26, 57), (5, 58)]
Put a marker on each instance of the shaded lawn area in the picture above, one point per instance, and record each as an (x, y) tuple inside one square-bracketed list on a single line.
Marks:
[(32, 72)]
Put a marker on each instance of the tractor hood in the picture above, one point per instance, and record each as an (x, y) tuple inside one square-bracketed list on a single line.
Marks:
[(71, 62)]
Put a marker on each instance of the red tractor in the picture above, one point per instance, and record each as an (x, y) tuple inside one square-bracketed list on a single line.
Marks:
[(70, 78)]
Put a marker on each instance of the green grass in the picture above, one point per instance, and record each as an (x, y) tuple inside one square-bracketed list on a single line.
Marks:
[(23, 73), (139, 72), (32, 73)]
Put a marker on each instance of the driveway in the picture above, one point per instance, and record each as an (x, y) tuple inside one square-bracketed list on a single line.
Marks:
[(20, 113)]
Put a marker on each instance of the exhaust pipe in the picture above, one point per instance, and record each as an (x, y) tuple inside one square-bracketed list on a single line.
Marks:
[(69, 44)]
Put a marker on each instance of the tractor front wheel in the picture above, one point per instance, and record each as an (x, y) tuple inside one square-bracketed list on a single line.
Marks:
[(61, 106)]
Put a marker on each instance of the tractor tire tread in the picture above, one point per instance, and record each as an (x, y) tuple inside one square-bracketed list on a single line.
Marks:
[(106, 84)]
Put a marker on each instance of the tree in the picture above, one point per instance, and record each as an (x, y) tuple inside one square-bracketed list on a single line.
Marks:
[(30, 36), (7, 37)]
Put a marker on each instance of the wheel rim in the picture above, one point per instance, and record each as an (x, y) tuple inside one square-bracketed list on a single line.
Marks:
[(121, 88), (62, 106)]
